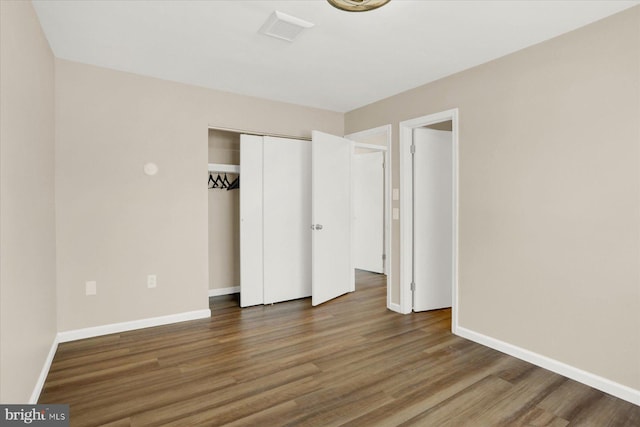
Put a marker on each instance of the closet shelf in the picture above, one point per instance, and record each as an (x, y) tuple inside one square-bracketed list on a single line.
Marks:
[(220, 167)]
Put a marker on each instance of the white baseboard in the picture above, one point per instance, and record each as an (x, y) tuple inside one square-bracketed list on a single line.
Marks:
[(224, 291), (44, 372), (113, 328), (615, 389)]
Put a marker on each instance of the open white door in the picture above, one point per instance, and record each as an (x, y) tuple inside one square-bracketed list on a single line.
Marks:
[(331, 267), (368, 211), (433, 219)]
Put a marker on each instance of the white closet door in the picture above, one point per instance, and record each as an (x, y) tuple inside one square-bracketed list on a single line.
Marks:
[(433, 219), (368, 211), (251, 233), (287, 216), (332, 270)]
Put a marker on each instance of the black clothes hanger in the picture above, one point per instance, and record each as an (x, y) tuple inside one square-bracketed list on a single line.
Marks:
[(220, 182), (235, 184), (226, 182)]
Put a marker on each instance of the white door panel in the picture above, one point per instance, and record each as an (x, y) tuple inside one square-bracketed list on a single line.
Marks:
[(368, 211), (332, 270), (433, 219), (251, 237), (287, 216)]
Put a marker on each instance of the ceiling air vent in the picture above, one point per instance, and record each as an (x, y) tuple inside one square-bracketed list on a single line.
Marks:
[(283, 26)]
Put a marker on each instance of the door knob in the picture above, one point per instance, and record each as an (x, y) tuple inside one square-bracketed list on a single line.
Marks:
[(316, 226)]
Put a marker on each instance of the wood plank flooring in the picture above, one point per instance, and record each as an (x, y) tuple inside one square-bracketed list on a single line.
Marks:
[(349, 362)]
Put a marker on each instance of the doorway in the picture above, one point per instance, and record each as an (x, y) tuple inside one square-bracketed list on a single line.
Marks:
[(429, 213), (371, 147), (368, 211)]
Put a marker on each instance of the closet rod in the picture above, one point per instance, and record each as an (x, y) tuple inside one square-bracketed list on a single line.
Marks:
[(220, 167), (250, 132)]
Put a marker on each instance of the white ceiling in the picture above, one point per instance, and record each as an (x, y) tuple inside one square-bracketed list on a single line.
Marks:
[(346, 61)]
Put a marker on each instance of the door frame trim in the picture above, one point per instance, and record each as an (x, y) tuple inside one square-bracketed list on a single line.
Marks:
[(406, 211), (386, 150)]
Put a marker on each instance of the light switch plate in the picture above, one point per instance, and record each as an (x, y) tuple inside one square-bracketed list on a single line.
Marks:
[(152, 281), (91, 287)]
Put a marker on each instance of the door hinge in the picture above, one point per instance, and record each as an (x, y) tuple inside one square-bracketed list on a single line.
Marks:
[(413, 286), (413, 148), (384, 257)]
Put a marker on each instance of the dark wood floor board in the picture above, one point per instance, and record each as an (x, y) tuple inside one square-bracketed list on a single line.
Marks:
[(105, 410), (570, 399), (185, 408), (392, 325), (80, 379), (87, 346), (125, 422), (336, 410), (607, 411), (539, 417), (417, 392), (438, 379), (348, 362), (114, 386), (442, 342), (174, 336), (352, 384), (244, 407), (193, 340), (367, 352), (266, 417), (205, 351), (101, 364), (73, 362), (267, 329), (412, 405), (462, 406), (285, 360), (512, 405), (379, 365), (341, 385), (516, 370)]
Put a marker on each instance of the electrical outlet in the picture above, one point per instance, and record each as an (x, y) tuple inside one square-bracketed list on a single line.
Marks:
[(91, 287), (151, 281)]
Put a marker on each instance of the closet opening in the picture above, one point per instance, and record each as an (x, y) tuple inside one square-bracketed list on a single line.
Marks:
[(283, 230), (223, 178)]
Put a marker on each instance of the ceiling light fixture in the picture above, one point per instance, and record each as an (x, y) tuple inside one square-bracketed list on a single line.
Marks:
[(357, 5)]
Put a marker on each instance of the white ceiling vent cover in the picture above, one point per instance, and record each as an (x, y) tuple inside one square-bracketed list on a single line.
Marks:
[(283, 26)]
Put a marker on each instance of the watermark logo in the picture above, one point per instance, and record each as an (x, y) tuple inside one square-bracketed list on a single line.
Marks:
[(34, 415)]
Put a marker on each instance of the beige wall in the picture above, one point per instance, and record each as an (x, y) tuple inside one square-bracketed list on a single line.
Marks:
[(224, 215), (115, 225), (27, 222), (549, 233)]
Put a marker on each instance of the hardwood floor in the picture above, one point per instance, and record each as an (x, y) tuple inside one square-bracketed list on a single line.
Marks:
[(349, 362)]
